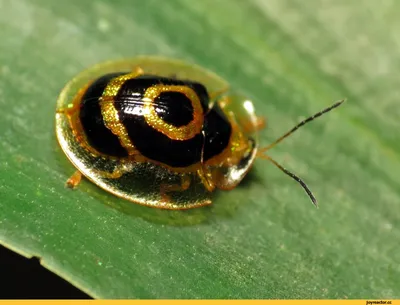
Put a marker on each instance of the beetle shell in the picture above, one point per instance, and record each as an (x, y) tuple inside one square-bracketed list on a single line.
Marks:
[(158, 127)]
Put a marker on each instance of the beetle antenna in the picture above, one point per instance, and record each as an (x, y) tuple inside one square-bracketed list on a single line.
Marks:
[(290, 174), (309, 119), (261, 152)]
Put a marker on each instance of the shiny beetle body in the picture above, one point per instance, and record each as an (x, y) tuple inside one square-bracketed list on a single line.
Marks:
[(156, 132)]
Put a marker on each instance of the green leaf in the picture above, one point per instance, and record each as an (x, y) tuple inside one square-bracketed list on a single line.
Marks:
[(261, 240)]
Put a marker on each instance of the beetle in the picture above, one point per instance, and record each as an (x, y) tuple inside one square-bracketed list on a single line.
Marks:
[(161, 132)]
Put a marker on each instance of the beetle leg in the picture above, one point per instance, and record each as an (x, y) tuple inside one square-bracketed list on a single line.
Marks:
[(68, 110), (74, 180), (167, 188), (115, 174), (118, 170), (206, 179)]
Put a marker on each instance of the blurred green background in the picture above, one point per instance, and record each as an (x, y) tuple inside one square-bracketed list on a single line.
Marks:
[(261, 240)]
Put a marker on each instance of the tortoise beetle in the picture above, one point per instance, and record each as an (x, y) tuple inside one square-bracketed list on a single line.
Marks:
[(160, 132)]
